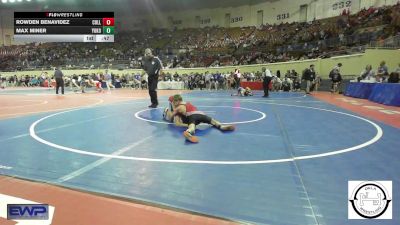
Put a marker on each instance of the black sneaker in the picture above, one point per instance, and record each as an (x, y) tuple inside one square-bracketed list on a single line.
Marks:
[(153, 106)]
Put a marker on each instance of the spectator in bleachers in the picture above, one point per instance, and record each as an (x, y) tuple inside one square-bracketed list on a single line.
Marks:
[(135, 81), (3, 82), (309, 76), (287, 84), (294, 74), (207, 78), (276, 83), (108, 80), (296, 84), (214, 81), (229, 81), (144, 81), (201, 83), (287, 74), (16, 81), (267, 44), (220, 81), (34, 82), (278, 73), (367, 74), (124, 81), (382, 72), (176, 77), (393, 77), (27, 80), (11, 80)]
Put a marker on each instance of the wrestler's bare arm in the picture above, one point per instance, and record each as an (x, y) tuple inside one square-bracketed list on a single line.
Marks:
[(178, 122)]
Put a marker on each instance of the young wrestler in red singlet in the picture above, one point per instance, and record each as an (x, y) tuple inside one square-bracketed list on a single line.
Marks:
[(194, 118)]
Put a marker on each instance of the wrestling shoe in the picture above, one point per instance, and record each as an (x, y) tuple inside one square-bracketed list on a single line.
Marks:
[(190, 137), (228, 128)]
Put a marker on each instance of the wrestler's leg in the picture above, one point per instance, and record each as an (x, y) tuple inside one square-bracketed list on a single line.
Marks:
[(189, 133), (218, 125)]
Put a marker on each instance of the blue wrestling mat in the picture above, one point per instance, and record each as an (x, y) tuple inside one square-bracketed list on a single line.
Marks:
[(287, 163)]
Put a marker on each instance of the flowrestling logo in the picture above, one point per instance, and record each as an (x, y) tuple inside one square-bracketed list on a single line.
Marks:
[(370, 200)]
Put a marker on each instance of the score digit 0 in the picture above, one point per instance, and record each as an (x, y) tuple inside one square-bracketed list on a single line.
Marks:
[(108, 30), (108, 21)]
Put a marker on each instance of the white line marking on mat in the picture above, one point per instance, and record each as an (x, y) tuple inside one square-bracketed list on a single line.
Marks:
[(378, 135), (100, 161)]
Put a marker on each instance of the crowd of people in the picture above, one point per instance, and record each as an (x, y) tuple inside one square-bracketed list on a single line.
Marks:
[(214, 46), (291, 80), (381, 75), (138, 80), (211, 47)]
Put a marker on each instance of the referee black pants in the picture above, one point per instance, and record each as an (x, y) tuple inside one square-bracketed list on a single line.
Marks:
[(153, 82), (59, 83), (237, 83), (266, 82)]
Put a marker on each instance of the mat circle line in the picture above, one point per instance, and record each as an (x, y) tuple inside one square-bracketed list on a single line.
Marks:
[(263, 115), (379, 134)]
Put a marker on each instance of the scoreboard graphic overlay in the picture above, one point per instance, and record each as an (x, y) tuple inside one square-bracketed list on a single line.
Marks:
[(64, 26)]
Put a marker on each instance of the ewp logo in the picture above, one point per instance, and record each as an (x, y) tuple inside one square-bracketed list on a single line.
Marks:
[(27, 212)]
